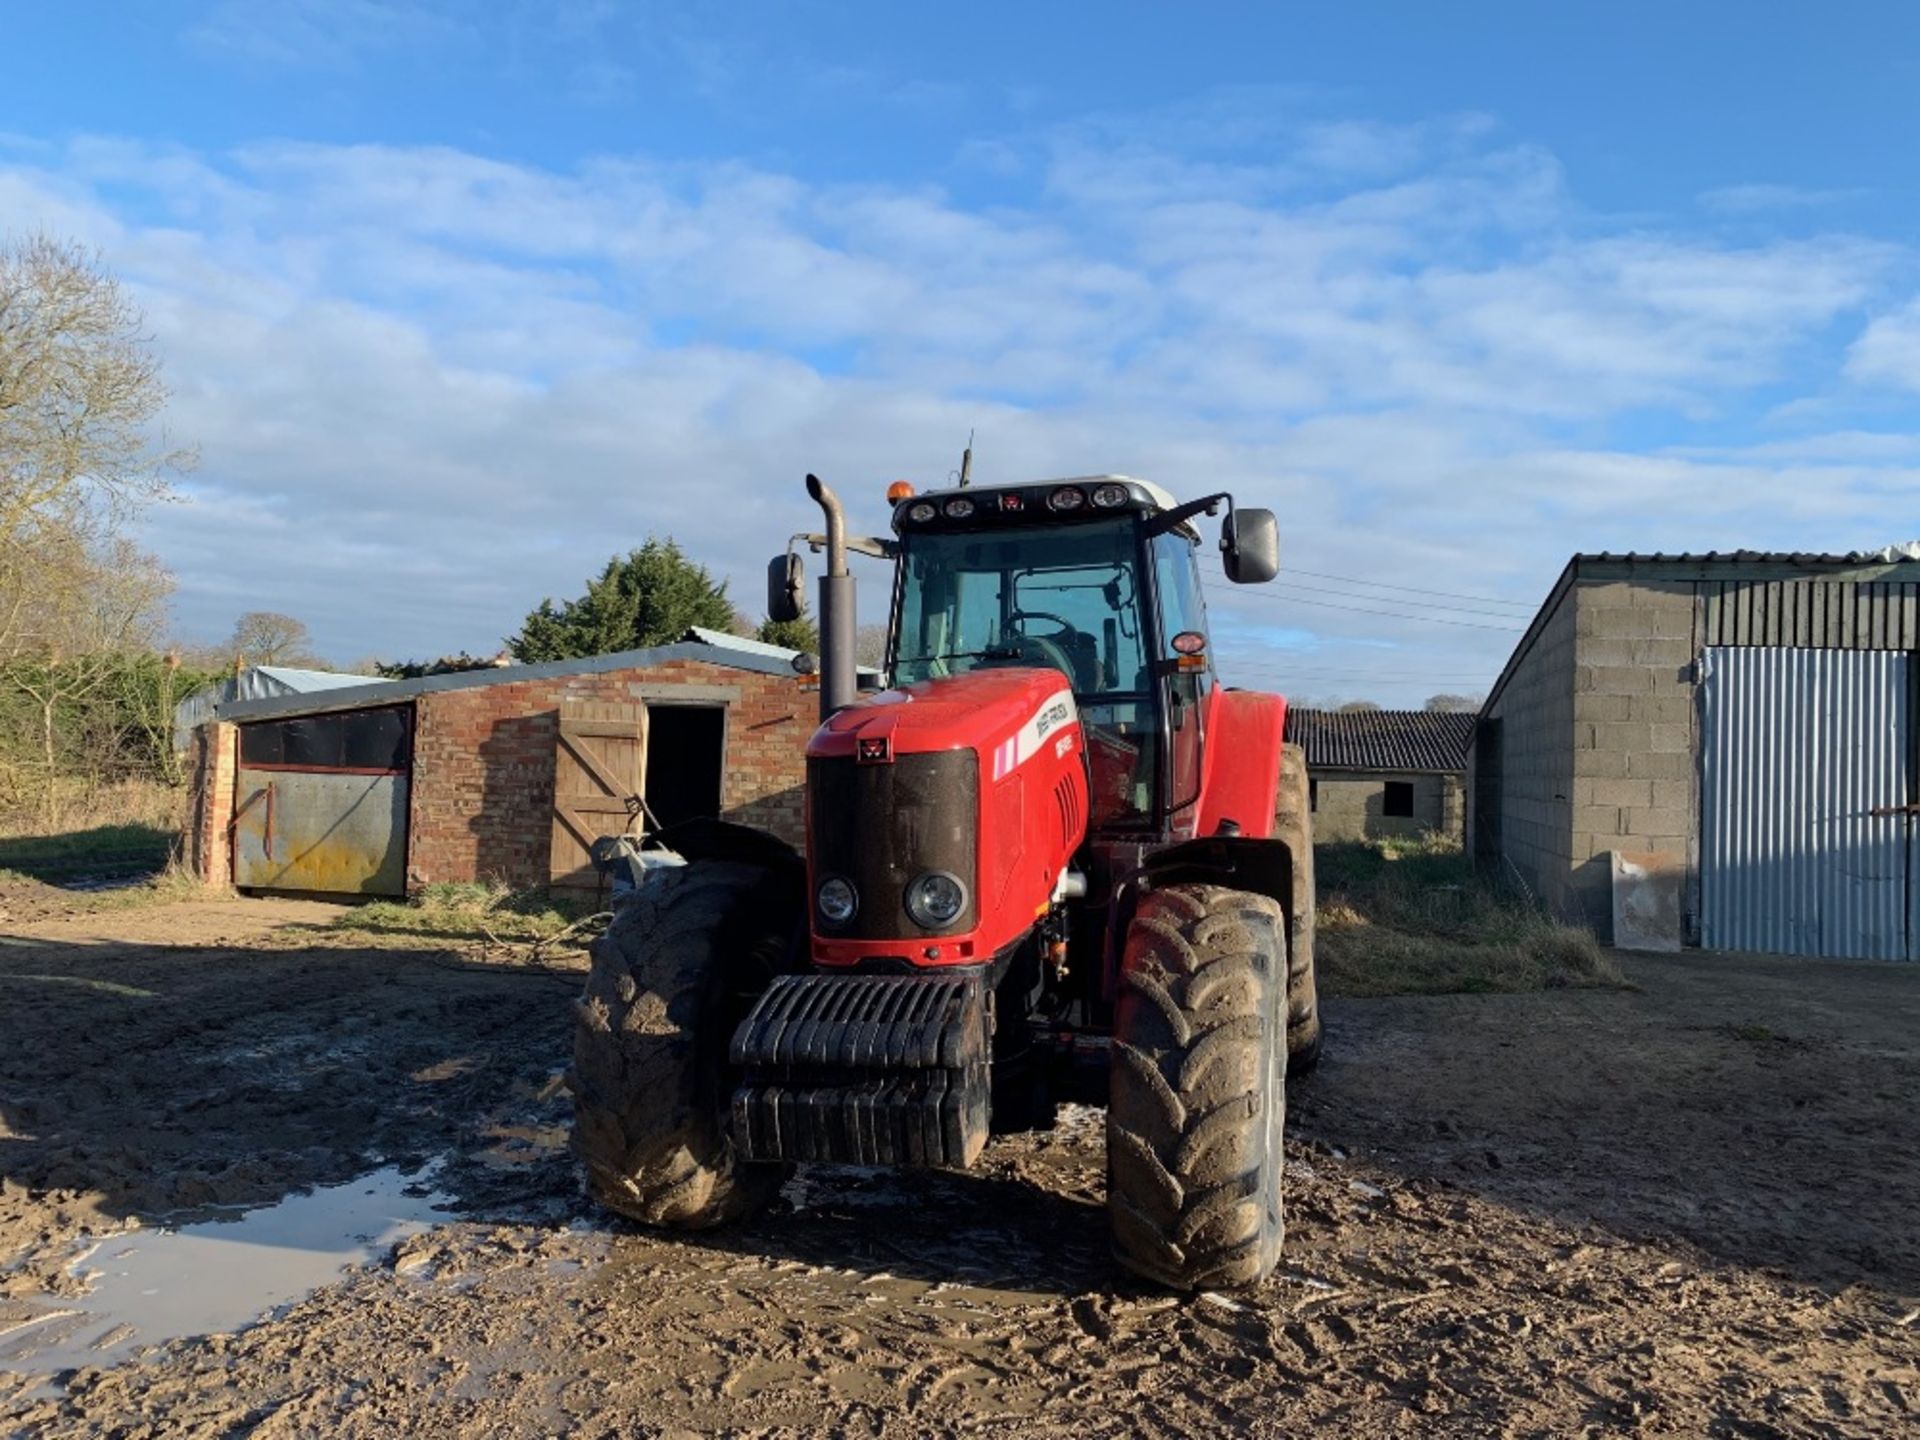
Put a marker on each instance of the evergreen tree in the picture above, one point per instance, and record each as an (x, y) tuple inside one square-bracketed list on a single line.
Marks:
[(799, 634), (650, 596)]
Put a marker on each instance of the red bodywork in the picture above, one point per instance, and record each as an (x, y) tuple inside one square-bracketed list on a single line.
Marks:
[(1024, 731), (1245, 732)]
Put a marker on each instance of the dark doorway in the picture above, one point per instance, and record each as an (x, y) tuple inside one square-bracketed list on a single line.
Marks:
[(686, 745)]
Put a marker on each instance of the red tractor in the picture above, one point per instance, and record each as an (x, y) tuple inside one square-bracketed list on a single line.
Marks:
[(1056, 860)]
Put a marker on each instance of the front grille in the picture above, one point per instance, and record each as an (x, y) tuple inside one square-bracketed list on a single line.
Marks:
[(880, 826)]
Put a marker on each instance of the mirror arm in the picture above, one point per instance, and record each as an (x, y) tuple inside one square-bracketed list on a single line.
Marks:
[(859, 544), (1173, 519)]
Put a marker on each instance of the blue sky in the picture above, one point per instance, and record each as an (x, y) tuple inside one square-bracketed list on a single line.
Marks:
[(457, 299)]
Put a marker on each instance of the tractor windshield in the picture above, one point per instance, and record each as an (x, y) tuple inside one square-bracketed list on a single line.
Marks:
[(1066, 596)]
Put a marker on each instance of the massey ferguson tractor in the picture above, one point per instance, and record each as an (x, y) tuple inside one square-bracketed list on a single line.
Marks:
[(1056, 860)]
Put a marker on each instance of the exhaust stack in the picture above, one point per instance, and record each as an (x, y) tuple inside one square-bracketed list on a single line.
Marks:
[(838, 683)]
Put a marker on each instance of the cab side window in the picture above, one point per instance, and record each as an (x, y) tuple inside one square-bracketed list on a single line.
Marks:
[(1178, 581)]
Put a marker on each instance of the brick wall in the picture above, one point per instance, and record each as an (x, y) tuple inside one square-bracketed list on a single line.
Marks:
[(1351, 805), (482, 792), (1634, 777), (212, 763)]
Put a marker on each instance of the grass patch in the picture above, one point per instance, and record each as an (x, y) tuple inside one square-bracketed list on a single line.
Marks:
[(173, 884), (102, 850), (1413, 917), (468, 911)]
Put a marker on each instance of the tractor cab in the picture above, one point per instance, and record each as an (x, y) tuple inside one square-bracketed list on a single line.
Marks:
[(1097, 578)]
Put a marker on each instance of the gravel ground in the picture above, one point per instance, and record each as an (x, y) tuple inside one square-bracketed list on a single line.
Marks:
[(1685, 1209)]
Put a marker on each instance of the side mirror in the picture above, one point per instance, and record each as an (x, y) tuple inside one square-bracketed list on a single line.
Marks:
[(1250, 546), (786, 587)]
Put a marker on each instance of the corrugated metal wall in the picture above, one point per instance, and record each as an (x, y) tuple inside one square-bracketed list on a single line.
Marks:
[(1798, 746), (1835, 614)]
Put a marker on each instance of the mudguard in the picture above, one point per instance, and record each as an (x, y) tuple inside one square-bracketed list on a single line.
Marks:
[(1240, 779)]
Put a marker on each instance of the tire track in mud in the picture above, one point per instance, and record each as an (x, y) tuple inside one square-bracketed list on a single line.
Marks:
[(1423, 1289)]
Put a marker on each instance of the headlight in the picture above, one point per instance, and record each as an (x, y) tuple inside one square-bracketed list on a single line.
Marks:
[(935, 900), (1110, 497), (957, 509), (921, 513), (837, 899), (1066, 498)]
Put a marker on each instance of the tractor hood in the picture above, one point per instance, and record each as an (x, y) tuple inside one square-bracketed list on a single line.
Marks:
[(982, 710)]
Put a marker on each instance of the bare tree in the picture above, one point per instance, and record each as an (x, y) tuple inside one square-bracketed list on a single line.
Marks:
[(94, 606), (1454, 704), (870, 645), (1358, 707), (266, 637), (79, 391)]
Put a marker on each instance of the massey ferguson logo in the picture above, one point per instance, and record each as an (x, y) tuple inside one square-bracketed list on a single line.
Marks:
[(1018, 748), (1057, 713)]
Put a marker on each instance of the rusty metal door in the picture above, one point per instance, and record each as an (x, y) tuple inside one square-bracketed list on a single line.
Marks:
[(599, 771), (321, 803), (1806, 816)]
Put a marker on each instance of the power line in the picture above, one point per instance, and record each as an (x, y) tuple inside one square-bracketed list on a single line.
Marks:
[(1320, 660), (1287, 587), (1285, 582), (1525, 605), (1359, 610)]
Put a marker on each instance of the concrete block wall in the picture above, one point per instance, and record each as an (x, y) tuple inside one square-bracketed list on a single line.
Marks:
[(1535, 784), (481, 806), (1350, 805), (1634, 776)]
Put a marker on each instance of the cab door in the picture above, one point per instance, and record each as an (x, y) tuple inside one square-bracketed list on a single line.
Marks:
[(1186, 679)]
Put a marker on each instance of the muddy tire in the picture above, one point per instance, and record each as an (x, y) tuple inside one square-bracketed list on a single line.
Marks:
[(1293, 823), (1197, 1103), (677, 970)]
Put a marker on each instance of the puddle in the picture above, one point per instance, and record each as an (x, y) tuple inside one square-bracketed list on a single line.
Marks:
[(148, 1286)]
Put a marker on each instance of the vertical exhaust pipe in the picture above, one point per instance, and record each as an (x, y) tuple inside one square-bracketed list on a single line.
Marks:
[(838, 683)]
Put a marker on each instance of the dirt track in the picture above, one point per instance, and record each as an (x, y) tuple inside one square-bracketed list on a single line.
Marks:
[(1688, 1210)]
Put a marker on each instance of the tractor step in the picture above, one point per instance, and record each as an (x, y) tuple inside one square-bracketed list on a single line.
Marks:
[(865, 1070)]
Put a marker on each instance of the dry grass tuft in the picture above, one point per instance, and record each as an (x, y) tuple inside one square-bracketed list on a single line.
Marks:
[(1412, 917), (469, 911)]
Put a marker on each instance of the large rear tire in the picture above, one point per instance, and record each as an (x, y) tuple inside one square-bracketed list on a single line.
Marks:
[(1293, 823), (677, 970), (1197, 1103)]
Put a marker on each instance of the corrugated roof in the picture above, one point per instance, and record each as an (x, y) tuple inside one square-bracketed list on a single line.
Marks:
[(387, 692), (1423, 740), (1885, 555), (302, 682)]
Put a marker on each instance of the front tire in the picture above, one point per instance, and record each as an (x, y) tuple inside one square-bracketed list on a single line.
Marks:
[(677, 970), (1197, 1103)]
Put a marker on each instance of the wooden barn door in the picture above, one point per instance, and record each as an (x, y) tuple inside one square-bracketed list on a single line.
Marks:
[(599, 769)]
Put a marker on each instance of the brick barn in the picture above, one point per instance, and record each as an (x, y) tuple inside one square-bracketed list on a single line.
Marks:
[(498, 775), (1379, 773)]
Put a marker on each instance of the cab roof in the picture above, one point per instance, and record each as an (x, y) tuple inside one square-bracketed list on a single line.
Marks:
[(1028, 500)]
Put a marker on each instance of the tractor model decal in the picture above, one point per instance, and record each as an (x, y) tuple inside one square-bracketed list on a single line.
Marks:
[(1021, 746)]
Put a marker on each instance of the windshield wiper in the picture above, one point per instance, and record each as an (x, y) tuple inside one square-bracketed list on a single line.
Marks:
[(992, 652)]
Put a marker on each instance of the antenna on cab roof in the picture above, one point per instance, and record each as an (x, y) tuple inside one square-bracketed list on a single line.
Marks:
[(966, 462)]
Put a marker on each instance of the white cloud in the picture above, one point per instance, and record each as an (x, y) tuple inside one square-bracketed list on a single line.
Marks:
[(1888, 351), (1756, 199), (431, 386)]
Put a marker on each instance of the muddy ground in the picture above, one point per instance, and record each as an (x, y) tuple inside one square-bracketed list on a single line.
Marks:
[(1692, 1209)]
